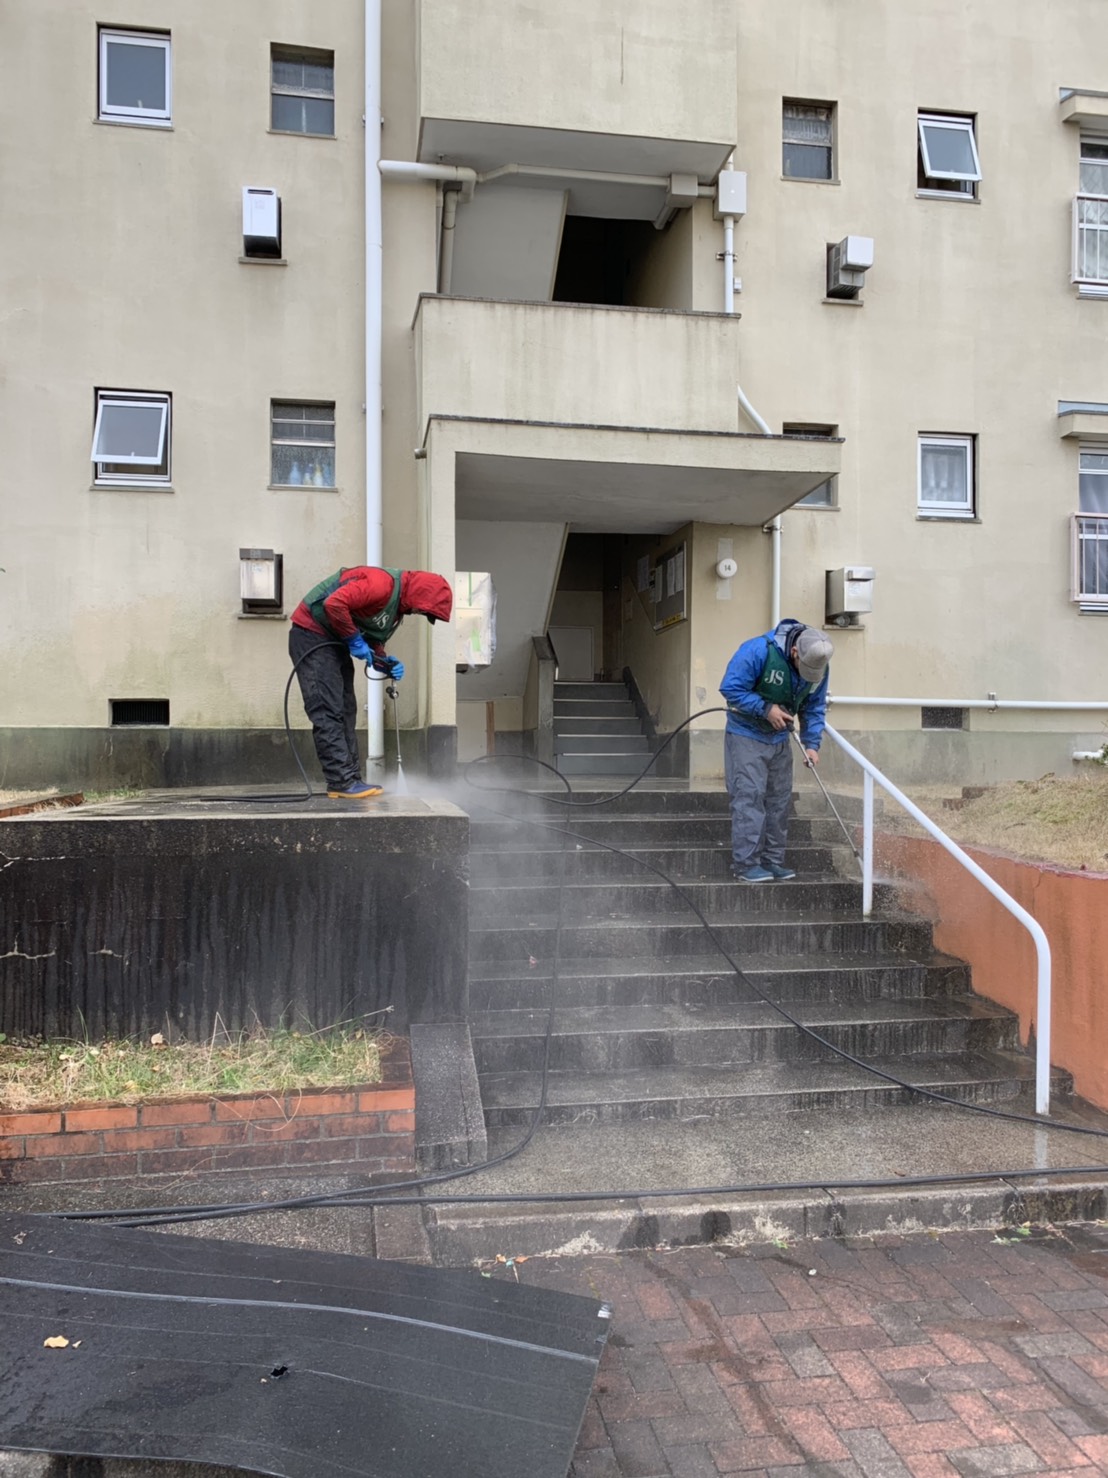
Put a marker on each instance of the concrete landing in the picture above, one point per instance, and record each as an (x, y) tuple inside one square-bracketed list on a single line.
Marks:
[(818, 1156)]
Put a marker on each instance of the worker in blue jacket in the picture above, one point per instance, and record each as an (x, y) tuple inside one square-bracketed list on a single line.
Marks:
[(771, 683)]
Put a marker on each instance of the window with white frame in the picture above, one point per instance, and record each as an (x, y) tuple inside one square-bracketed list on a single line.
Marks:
[(302, 444), (1090, 531), (826, 495), (303, 90), (136, 79), (808, 140), (131, 438), (947, 160), (945, 480), (1090, 219)]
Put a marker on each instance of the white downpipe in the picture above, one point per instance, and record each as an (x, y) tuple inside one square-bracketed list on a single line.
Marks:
[(446, 254), (729, 264), (775, 526), (375, 713), (1042, 944), (1031, 705)]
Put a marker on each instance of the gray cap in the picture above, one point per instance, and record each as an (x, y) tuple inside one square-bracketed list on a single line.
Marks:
[(812, 652)]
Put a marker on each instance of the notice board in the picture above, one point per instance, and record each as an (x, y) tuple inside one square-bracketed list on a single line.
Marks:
[(668, 584)]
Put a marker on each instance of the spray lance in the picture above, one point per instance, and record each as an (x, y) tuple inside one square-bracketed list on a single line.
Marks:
[(808, 765)]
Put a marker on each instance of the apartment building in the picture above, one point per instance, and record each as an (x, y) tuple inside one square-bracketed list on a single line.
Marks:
[(606, 249)]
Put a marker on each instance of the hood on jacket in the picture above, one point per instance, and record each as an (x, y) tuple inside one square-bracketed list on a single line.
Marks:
[(423, 593)]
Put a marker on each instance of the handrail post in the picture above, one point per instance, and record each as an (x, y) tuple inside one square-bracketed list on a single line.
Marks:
[(867, 844), (1042, 1040), (1031, 924)]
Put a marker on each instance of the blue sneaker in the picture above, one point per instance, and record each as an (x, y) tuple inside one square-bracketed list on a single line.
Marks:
[(355, 790), (778, 873), (753, 873)]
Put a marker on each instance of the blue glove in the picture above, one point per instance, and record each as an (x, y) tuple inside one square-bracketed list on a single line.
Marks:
[(359, 647), (390, 666)]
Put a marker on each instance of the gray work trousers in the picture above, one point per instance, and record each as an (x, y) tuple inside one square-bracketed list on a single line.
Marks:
[(760, 783)]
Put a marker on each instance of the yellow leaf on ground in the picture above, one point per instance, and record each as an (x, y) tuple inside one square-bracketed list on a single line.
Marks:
[(56, 1342)]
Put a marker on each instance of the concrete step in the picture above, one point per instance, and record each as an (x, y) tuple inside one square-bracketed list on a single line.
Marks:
[(582, 862), (573, 743), (599, 725), (706, 980), (594, 708), (618, 831), (591, 763), (673, 1092), (800, 1176), (651, 899), (658, 798), (590, 690), (810, 934), (603, 1039)]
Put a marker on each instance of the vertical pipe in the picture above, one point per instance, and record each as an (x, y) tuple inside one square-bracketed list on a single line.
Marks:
[(729, 264), (375, 714), (446, 255), (867, 844), (775, 573)]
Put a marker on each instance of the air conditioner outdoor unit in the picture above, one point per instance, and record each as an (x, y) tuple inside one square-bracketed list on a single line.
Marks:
[(848, 261)]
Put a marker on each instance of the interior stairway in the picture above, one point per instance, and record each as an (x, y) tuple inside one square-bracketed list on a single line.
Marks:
[(596, 730), (655, 1038)]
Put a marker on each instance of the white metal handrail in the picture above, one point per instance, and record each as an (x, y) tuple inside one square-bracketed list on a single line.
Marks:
[(870, 774)]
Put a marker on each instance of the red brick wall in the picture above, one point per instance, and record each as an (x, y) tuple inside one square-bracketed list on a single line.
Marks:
[(1071, 907), (367, 1130)]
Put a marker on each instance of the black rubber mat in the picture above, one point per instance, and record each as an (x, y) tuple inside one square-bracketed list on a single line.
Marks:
[(292, 1363)]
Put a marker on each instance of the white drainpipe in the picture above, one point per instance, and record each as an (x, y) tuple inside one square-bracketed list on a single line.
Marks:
[(729, 264), (375, 714), (775, 526), (446, 254)]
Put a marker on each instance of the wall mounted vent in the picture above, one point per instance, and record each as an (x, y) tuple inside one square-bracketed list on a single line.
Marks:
[(140, 713)]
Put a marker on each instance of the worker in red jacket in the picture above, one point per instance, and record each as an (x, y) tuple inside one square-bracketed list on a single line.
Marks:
[(352, 614)]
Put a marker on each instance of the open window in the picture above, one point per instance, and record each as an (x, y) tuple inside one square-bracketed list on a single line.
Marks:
[(948, 161), (131, 438)]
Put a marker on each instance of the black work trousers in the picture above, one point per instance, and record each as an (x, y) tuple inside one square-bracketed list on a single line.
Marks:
[(326, 677)]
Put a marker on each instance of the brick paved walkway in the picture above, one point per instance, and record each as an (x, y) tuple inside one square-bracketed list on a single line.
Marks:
[(953, 1356)]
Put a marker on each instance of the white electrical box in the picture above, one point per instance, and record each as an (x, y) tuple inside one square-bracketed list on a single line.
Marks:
[(849, 591), (261, 222), (731, 193), (848, 261)]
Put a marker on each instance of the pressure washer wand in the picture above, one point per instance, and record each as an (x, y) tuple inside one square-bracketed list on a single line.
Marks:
[(808, 765), (401, 782)]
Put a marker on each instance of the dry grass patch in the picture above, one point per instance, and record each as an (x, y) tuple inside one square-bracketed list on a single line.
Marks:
[(56, 1073), (1063, 822)]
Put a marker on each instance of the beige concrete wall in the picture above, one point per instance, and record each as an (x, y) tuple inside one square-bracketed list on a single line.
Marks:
[(658, 660), (970, 325), (563, 362), (644, 68), (121, 269)]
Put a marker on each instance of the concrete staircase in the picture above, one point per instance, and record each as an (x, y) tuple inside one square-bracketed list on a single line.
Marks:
[(596, 730), (664, 1066)]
